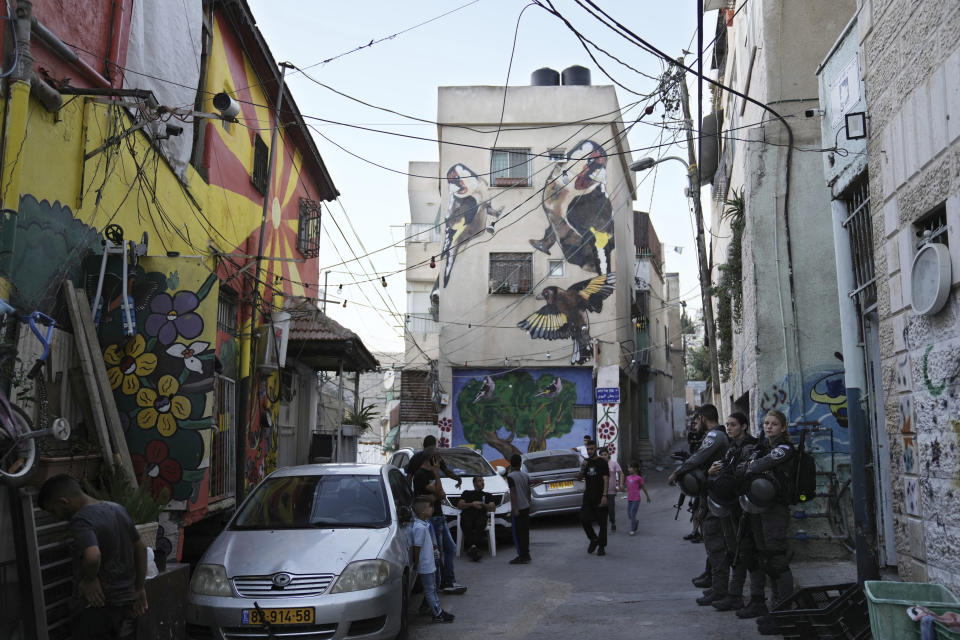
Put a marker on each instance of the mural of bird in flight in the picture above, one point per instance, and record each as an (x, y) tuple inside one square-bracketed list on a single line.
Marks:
[(565, 314), (552, 390), (466, 213), (486, 391)]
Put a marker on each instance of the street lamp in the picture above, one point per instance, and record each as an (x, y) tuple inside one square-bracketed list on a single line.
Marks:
[(705, 281)]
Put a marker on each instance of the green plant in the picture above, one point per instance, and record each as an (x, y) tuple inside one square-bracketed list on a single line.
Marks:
[(139, 501), (729, 290), (363, 417)]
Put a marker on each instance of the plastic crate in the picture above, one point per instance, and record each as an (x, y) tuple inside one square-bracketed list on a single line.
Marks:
[(830, 612), (888, 602)]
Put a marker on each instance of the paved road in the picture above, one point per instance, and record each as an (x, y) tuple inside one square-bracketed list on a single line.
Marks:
[(640, 589)]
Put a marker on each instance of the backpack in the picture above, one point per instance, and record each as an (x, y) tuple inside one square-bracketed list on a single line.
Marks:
[(804, 478)]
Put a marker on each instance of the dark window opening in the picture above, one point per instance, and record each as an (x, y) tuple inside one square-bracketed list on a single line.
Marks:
[(511, 273), (261, 157)]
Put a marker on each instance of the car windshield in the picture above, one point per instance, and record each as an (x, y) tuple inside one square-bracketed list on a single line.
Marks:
[(315, 501), (558, 462), (465, 463)]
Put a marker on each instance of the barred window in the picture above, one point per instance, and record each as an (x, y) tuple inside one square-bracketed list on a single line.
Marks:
[(511, 273), (308, 229), (860, 235), (510, 167), (932, 227), (228, 307), (583, 412), (261, 171)]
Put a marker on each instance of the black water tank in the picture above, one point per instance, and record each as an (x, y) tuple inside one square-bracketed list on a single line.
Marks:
[(576, 75), (545, 77)]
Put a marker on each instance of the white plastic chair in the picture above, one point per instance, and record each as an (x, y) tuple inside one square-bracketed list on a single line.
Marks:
[(491, 534)]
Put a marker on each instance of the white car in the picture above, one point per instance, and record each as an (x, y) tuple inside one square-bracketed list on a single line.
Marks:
[(467, 463)]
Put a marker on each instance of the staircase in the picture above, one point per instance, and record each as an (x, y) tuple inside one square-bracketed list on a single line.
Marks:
[(644, 450)]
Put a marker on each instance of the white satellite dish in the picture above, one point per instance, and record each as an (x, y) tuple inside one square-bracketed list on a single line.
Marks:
[(388, 377)]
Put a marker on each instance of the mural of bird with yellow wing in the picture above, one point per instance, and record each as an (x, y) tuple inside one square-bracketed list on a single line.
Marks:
[(565, 314), (466, 214)]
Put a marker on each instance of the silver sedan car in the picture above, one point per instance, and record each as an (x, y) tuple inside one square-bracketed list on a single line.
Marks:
[(316, 551), (554, 483)]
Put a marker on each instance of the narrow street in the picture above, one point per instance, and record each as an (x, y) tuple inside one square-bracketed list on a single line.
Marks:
[(640, 589)]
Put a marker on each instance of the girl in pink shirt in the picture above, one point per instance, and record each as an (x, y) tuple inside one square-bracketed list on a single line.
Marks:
[(634, 486)]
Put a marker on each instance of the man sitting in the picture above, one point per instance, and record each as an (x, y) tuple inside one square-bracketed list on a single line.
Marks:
[(474, 506)]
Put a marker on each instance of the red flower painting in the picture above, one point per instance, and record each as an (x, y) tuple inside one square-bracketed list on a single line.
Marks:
[(163, 471)]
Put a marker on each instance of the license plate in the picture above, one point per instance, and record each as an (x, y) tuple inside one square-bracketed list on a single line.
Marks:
[(567, 484), (292, 615)]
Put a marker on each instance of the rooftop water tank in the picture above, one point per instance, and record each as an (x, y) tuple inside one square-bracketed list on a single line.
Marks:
[(576, 75), (545, 77)]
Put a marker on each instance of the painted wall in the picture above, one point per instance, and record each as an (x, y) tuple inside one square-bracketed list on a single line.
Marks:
[(911, 65), (500, 412)]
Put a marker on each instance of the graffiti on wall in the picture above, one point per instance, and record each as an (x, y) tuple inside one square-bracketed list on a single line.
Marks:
[(162, 376), (565, 314), (501, 413), (578, 210), (608, 426), (909, 455), (262, 446), (911, 495), (467, 213)]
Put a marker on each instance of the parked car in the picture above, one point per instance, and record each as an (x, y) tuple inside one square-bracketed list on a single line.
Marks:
[(315, 551), (467, 463), (554, 485)]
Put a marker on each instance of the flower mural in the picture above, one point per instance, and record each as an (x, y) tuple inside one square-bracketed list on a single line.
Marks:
[(157, 467), (163, 407), (174, 315), (126, 365), (189, 354)]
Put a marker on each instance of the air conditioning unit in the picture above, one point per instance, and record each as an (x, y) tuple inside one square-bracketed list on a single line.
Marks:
[(272, 345)]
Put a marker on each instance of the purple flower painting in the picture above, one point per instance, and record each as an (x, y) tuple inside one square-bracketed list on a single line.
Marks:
[(173, 316)]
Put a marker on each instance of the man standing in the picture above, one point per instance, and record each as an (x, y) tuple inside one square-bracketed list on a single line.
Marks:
[(582, 449), (712, 448), (616, 483), (596, 475), (519, 483), (110, 560), (475, 505), (426, 481)]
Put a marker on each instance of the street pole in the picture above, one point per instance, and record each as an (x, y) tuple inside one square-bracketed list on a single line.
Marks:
[(326, 274), (709, 328)]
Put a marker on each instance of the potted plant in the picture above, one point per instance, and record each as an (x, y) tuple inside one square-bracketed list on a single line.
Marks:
[(362, 419), (139, 501)]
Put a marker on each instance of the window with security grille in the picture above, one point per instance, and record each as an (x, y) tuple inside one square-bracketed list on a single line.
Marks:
[(510, 168), (308, 228), (511, 273), (583, 412), (932, 227), (860, 235), (222, 448), (261, 156)]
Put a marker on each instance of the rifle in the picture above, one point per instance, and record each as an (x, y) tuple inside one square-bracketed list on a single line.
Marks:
[(736, 553), (679, 505)]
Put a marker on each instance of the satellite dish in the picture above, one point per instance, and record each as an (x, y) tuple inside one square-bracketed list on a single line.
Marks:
[(388, 377)]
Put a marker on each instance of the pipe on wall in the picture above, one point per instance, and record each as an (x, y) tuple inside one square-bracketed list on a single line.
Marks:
[(65, 53)]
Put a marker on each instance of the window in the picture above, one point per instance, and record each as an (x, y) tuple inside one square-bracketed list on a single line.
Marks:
[(860, 234), (308, 228), (583, 412), (222, 477), (933, 223), (556, 155), (510, 167), (511, 273), (555, 268), (227, 311), (261, 171)]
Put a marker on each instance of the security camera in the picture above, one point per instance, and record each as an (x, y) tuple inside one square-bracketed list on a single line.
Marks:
[(226, 105), (174, 130), (813, 113)]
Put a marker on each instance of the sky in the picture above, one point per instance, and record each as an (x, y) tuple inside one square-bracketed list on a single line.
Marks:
[(347, 46)]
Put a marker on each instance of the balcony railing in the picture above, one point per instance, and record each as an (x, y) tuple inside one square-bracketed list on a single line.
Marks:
[(422, 323), (422, 232)]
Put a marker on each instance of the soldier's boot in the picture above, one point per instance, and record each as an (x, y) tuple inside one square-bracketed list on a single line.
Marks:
[(755, 608), (729, 603)]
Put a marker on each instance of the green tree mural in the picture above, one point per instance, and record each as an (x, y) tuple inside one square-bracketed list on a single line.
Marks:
[(520, 407)]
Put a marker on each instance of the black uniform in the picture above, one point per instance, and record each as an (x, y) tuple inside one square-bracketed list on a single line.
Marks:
[(594, 471), (712, 448), (772, 459), (737, 533)]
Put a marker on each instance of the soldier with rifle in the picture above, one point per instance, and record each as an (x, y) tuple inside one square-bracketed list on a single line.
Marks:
[(692, 475)]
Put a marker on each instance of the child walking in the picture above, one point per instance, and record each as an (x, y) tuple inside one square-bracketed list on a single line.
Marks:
[(425, 554), (634, 486)]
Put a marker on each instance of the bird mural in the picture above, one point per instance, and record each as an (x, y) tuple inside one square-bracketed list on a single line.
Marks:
[(466, 213), (552, 390), (566, 314), (579, 212), (486, 390)]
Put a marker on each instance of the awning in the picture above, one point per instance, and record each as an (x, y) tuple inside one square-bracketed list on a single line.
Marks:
[(322, 343)]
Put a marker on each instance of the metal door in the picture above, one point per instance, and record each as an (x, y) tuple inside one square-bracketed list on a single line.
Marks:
[(287, 420)]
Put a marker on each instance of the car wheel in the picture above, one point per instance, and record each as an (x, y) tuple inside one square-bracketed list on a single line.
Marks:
[(404, 632)]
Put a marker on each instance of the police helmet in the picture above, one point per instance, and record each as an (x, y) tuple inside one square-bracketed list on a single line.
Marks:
[(717, 509), (693, 482), (724, 489), (760, 495)]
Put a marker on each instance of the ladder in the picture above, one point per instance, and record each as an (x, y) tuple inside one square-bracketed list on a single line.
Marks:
[(45, 568)]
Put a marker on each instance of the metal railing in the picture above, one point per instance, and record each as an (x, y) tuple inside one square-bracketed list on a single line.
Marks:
[(223, 453), (422, 323), (422, 232)]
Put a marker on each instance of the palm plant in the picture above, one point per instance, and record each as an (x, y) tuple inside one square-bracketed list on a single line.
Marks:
[(361, 418)]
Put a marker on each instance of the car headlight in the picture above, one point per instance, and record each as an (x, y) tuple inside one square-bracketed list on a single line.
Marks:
[(210, 580), (363, 574), (506, 499)]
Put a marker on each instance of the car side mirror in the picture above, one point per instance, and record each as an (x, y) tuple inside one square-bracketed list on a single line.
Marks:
[(501, 471), (405, 514)]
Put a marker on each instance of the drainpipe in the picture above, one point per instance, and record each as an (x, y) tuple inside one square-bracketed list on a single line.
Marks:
[(855, 380), (65, 53), (112, 63), (14, 134)]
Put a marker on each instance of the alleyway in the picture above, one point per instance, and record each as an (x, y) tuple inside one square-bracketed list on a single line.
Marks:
[(641, 589)]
